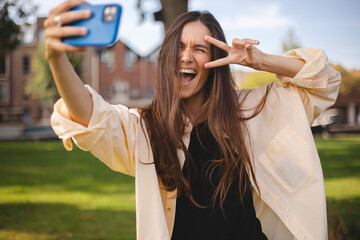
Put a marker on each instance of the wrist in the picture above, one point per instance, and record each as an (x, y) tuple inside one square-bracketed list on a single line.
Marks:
[(279, 65), (57, 59), (262, 64), (53, 56)]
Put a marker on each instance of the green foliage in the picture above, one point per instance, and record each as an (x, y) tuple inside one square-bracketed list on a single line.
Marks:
[(350, 80), (13, 14), (42, 85), (257, 79), (290, 41)]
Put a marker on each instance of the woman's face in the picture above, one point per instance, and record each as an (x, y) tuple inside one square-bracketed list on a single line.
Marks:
[(194, 52)]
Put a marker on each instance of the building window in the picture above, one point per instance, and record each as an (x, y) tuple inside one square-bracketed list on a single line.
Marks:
[(107, 57), (130, 59), (26, 64), (120, 91), (2, 64), (41, 34), (3, 93)]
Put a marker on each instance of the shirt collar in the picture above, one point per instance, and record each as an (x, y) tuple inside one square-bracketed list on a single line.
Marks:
[(188, 124)]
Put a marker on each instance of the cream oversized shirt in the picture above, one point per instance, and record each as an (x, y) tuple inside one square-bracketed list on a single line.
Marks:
[(286, 163)]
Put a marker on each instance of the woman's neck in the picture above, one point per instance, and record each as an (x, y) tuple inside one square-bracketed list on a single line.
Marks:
[(192, 108)]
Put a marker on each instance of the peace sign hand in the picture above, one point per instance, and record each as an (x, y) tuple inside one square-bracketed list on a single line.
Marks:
[(241, 52)]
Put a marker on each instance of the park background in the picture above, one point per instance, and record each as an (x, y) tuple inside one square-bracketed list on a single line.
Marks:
[(48, 193)]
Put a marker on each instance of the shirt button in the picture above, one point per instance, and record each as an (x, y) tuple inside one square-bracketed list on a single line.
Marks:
[(286, 215), (169, 209)]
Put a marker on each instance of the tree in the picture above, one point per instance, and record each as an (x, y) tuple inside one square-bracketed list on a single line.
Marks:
[(42, 85), (290, 41), (170, 10), (13, 15), (350, 82), (257, 79)]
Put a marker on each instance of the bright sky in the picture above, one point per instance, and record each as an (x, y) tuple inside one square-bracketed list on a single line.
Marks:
[(333, 25)]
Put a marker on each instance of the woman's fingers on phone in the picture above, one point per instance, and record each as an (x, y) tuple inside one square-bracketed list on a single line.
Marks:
[(65, 32), (67, 17), (72, 16), (57, 45), (61, 12), (65, 6)]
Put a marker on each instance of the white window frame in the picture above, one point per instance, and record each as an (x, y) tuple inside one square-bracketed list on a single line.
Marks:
[(6, 99), (120, 91), (107, 57), (130, 60)]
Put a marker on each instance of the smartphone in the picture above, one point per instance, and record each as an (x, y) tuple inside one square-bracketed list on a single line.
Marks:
[(102, 26)]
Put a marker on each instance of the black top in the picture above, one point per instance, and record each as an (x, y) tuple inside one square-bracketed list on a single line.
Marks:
[(191, 222)]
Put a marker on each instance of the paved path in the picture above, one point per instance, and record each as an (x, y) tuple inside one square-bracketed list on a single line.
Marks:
[(22, 132)]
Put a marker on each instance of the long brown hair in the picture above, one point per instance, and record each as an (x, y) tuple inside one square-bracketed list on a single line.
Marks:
[(165, 121)]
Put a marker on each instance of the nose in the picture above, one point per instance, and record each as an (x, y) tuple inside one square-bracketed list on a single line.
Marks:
[(186, 56)]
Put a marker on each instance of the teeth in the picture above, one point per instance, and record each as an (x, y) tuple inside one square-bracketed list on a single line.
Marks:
[(188, 71)]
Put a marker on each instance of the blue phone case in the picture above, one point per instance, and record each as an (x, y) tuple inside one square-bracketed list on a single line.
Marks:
[(102, 26)]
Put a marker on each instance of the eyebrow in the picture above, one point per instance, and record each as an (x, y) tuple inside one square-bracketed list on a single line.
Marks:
[(201, 46), (196, 46)]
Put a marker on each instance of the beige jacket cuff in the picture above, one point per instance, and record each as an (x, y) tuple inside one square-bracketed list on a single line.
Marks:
[(67, 129), (314, 73)]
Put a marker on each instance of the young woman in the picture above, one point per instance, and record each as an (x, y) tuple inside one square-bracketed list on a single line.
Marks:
[(210, 162)]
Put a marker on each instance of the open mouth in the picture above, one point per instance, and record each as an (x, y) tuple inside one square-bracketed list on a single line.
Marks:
[(186, 75)]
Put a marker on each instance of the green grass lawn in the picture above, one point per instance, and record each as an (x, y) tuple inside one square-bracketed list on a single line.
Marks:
[(48, 193), (340, 158)]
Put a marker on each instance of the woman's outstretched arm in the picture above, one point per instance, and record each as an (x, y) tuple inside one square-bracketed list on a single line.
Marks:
[(243, 52), (68, 83)]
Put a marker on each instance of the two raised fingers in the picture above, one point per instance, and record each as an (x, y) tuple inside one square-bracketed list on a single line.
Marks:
[(244, 42), (218, 62), (218, 43), (223, 46), (235, 43)]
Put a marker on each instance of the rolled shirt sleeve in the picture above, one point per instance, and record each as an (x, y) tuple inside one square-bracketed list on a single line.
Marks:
[(110, 134), (318, 82)]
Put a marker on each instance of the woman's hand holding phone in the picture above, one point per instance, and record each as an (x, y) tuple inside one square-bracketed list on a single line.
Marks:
[(55, 29), (70, 87)]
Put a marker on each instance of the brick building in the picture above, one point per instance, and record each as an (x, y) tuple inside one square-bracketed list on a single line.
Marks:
[(125, 77), (15, 71)]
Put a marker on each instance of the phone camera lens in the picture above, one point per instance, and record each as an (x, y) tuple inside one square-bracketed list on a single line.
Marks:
[(107, 10), (110, 13), (113, 10)]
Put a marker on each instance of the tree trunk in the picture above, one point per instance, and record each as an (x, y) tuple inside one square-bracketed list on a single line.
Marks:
[(171, 9)]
